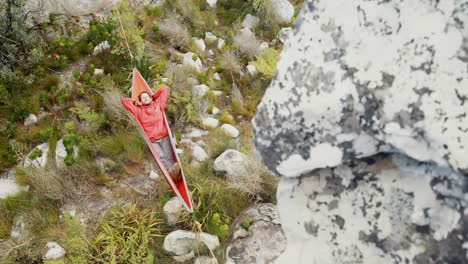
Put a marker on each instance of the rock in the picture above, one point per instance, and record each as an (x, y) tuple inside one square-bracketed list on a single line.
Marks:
[(260, 241), (199, 153), (39, 161), (179, 151), (164, 80), (284, 33), (173, 210), (199, 44), (182, 242), (372, 168), (101, 47), (185, 257), (30, 120), (54, 251), (284, 9), (19, 230), (98, 71), (153, 175), (8, 187), (188, 61), (215, 110), (217, 93), (61, 153), (252, 70), (211, 3), (230, 130), (264, 45), (205, 260), (210, 122), (230, 161), (247, 34), (250, 21), (105, 164), (211, 53), (210, 37), (216, 76), (220, 43), (196, 133), (199, 90)]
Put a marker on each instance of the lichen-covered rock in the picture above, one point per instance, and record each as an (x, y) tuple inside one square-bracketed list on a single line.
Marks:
[(356, 78), (39, 160), (230, 161), (173, 210), (262, 239), (379, 210)]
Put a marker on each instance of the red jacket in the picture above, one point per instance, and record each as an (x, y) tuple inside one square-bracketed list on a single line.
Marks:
[(151, 116)]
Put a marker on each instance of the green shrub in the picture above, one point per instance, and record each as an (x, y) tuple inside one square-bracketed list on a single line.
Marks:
[(126, 236), (35, 153), (73, 240), (246, 223), (156, 32), (266, 63)]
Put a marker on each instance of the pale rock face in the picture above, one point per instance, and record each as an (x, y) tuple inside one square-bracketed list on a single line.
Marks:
[(230, 161), (250, 21), (30, 120), (54, 251), (61, 153), (366, 120), (210, 122), (284, 33), (200, 90), (210, 37), (199, 153), (252, 70), (173, 210), (215, 110), (220, 43), (284, 9), (262, 241), (40, 161), (101, 47), (188, 61), (205, 260), (8, 187), (230, 130), (199, 44), (211, 3), (182, 242)]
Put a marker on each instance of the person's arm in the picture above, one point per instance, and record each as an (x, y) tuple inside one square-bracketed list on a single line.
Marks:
[(129, 104), (161, 97)]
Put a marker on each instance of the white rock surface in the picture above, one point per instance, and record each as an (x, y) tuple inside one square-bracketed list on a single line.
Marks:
[(217, 93), (30, 120), (61, 153), (101, 47), (153, 175), (182, 242), (211, 53), (264, 45), (211, 3), (54, 251), (173, 210), (230, 161), (210, 37), (230, 130), (284, 9), (199, 90), (188, 61), (9, 187), (220, 43), (284, 34), (215, 110), (205, 260), (199, 44), (216, 76), (252, 70), (98, 71), (210, 122), (250, 21), (199, 153), (40, 161), (247, 34)]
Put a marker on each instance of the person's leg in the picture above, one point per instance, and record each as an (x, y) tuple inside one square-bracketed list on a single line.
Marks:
[(164, 152)]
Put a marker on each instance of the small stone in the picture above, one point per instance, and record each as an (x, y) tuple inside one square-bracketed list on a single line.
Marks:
[(230, 130), (218, 93), (215, 110), (210, 122), (199, 90), (179, 151), (173, 210), (264, 45), (153, 175), (101, 47), (188, 61), (216, 76), (199, 153), (164, 80), (230, 161), (210, 37), (205, 260), (31, 119), (220, 43), (211, 53), (199, 44), (250, 21), (54, 251), (252, 70), (98, 71), (211, 3), (284, 33)]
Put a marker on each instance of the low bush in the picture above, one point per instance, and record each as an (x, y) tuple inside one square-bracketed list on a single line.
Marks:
[(266, 63), (174, 32)]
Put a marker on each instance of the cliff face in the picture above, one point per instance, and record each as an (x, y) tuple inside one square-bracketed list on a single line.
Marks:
[(367, 123)]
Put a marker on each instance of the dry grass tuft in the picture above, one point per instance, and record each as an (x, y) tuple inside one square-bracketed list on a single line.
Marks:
[(176, 33), (248, 44)]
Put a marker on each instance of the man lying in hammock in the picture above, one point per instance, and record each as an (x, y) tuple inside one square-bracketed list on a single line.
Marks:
[(150, 112)]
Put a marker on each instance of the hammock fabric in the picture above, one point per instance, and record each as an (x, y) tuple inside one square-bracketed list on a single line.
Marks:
[(179, 188)]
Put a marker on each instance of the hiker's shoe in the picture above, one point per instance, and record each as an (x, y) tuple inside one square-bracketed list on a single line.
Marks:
[(177, 173)]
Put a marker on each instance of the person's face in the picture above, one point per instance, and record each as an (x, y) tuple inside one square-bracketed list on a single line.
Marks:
[(145, 99)]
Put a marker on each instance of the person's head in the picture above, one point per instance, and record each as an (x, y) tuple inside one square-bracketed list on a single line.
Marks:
[(145, 98)]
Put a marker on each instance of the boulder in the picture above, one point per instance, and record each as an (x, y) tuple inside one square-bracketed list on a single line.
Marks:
[(30, 120), (230, 161), (210, 37), (371, 145), (210, 122), (54, 251), (101, 47), (199, 154), (256, 236), (230, 130), (199, 90), (182, 242), (173, 210), (199, 44), (284, 9), (250, 21), (39, 161), (188, 60), (211, 3), (252, 70)]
